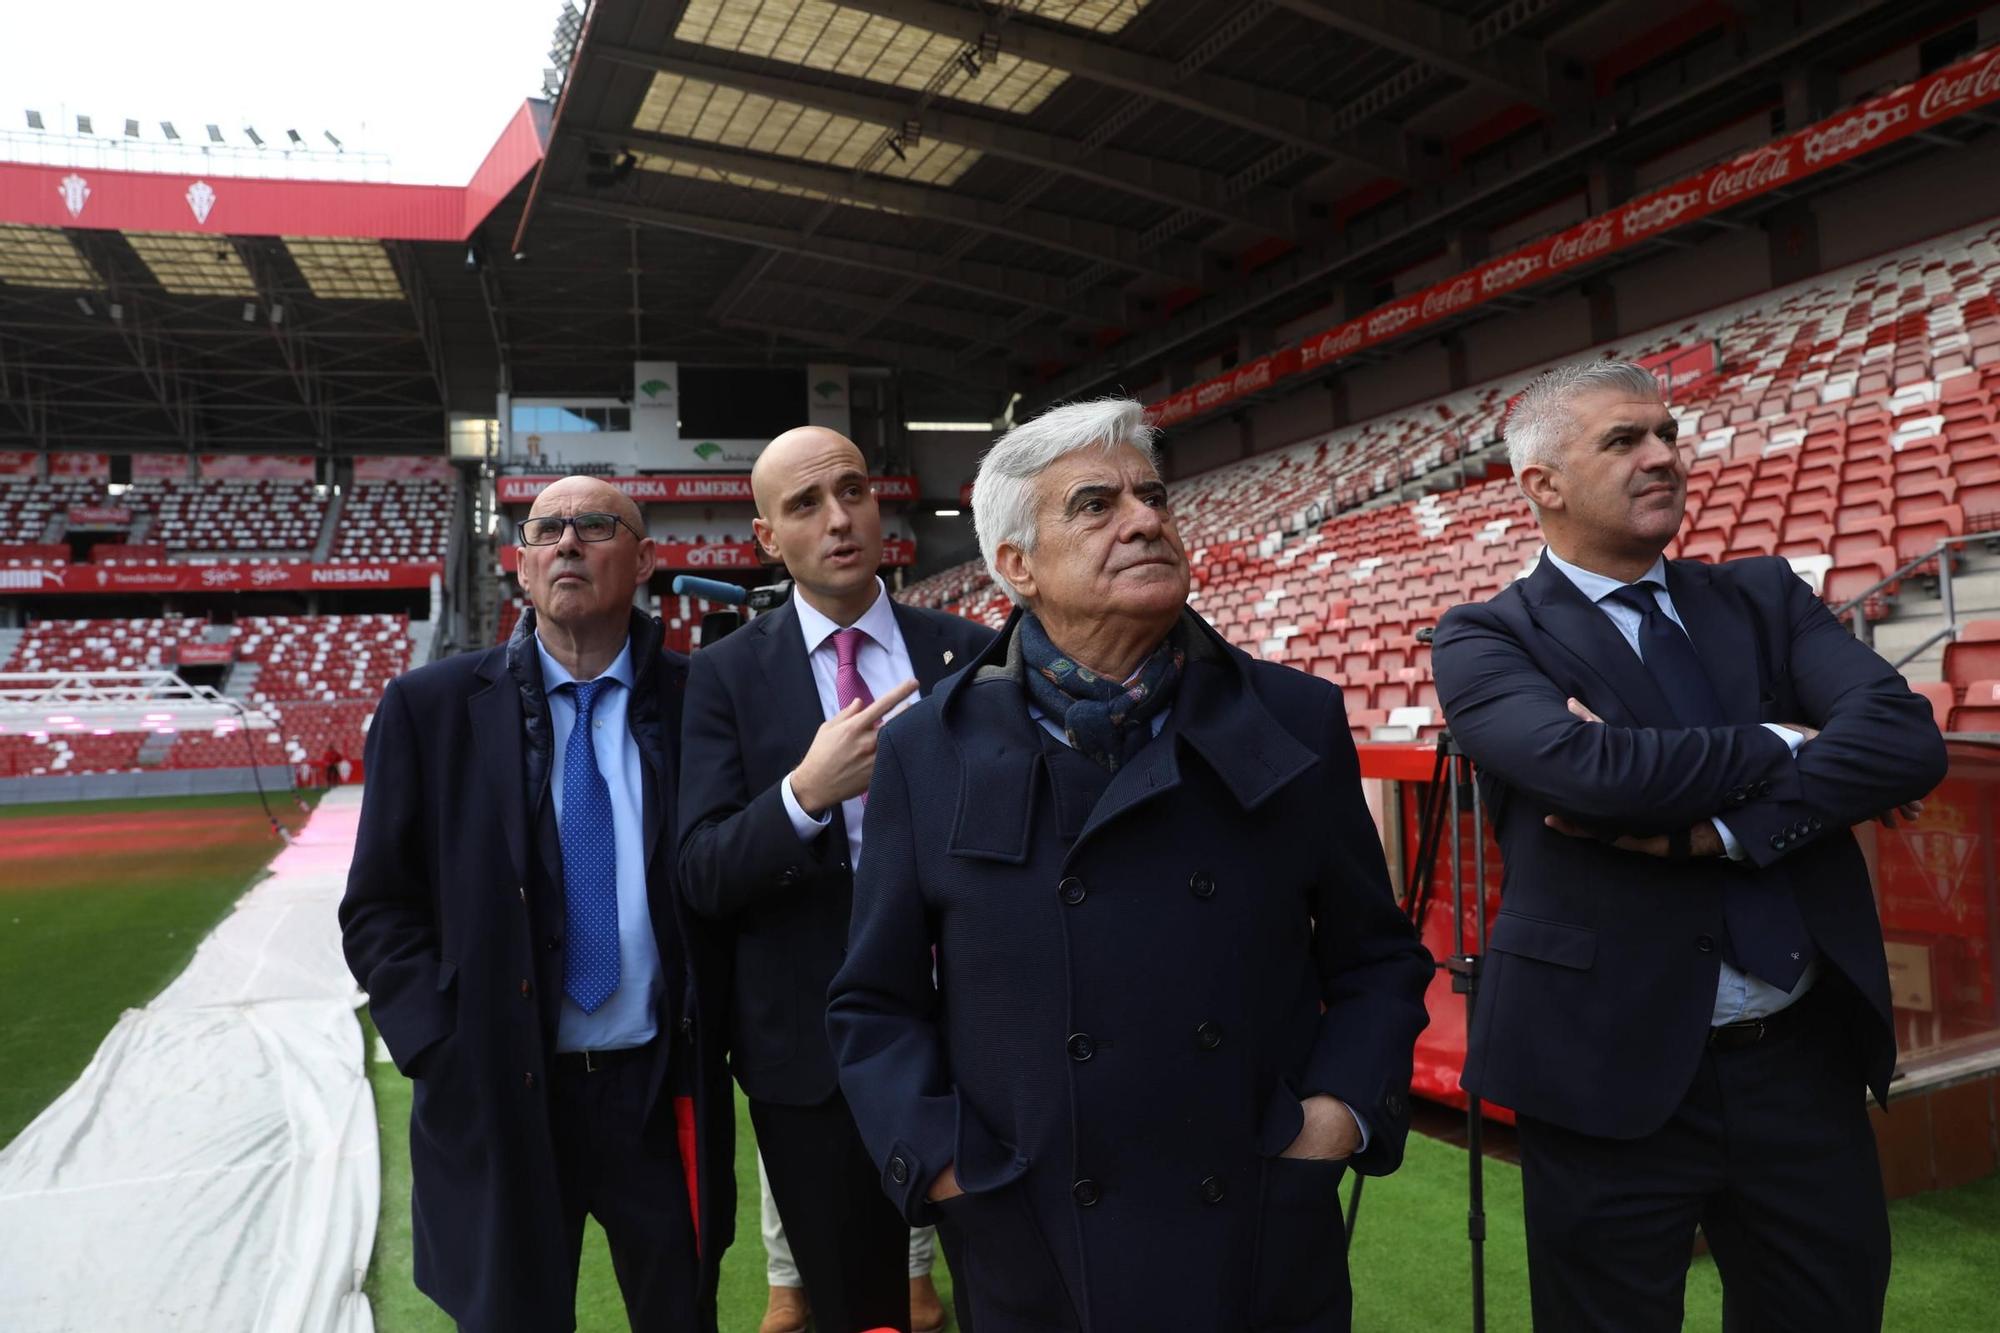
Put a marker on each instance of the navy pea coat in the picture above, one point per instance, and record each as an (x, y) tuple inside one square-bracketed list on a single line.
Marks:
[(452, 923), (1132, 995)]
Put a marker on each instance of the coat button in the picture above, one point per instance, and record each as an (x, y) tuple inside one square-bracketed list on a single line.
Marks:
[(1208, 1036), (1396, 1103), (788, 876), (1777, 842), (1705, 943), (1081, 1047), (528, 1079), (1071, 890), (1085, 1192), (1212, 1190), (1201, 884), (554, 943), (526, 989), (687, 1026), (899, 1170)]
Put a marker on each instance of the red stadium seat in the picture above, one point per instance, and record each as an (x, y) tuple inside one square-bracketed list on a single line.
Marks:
[(1939, 695), (1975, 655)]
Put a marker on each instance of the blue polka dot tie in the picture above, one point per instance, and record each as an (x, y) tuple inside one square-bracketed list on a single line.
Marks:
[(590, 865)]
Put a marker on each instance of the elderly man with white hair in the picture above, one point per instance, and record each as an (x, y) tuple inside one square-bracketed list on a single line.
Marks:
[(1126, 989), (1686, 993)]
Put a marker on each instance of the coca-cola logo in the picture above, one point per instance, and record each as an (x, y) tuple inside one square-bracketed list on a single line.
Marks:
[(1850, 134), (1953, 93), (1663, 211), (1255, 376), (213, 577), (1508, 272), (1581, 243), (1457, 295), (1754, 175), (1390, 319), (265, 575), (1333, 344)]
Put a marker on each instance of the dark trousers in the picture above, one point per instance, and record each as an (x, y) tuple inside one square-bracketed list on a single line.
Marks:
[(1770, 1153), (625, 1170), (851, 1245)]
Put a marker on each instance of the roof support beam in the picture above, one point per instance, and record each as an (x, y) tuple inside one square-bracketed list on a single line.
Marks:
[(1095, 241), (905, 356), (1007, 283), (1298, 121), (1169, 183), (1513, 66)]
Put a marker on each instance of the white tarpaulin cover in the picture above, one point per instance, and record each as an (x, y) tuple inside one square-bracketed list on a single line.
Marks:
[(215, 1166)]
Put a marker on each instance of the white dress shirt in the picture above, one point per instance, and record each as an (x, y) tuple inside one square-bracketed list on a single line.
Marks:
[(1738, 995), (884, 662)]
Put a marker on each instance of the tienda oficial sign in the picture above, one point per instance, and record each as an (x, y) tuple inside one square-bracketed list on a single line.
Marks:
[(1959, 88)]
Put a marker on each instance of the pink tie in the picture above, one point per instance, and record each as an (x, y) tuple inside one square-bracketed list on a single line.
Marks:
[(847, 683)]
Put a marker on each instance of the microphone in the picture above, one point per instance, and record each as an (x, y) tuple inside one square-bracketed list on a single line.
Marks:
[(713, 590)]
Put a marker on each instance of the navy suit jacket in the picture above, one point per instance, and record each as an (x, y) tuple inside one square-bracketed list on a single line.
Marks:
[(452, 922), (752, 712), (1601, 972), (1132, 994)]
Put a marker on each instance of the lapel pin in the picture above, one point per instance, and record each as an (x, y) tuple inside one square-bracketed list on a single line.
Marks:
[(947, 657)]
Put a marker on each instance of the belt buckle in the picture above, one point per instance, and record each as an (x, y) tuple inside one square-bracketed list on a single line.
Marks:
[(589, 1064), (1757, 1029)]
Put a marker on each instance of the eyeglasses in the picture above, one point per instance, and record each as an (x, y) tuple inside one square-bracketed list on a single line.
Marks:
[(548, 529)]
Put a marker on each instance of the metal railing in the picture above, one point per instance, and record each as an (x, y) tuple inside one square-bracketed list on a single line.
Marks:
[(1864, 630)]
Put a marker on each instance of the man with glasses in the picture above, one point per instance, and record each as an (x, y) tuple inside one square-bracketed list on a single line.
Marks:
[(513, 913)]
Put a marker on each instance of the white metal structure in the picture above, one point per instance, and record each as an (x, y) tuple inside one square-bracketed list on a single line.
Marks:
[(48, 703)]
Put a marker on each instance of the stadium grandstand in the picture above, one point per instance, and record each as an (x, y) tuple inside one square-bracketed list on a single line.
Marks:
[(265, 433)]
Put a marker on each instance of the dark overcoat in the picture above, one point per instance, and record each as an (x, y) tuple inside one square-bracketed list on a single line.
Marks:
[(1133, 993), (1599, 985), (452, 923), (779, 903)]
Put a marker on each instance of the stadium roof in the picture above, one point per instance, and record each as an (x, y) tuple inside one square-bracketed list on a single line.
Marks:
[(1052, 196)]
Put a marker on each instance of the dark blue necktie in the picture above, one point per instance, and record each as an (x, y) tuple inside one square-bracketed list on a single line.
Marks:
[(590, 865), (1767, 935)]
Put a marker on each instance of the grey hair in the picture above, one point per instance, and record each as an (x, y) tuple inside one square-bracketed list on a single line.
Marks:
[(1003, 494), (1539, 425)]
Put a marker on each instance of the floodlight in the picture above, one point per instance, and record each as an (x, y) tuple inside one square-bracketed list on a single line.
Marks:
[(968, 60), (83, 304), (249, 312), (250, 133), (277, 315), (334, 139), (913, 132), (83, 125), (474, 260), (298, 140), (989, 46), (167, 128), (131, 128), (35, 120), (215, 134), (117, 310), (896, 147)]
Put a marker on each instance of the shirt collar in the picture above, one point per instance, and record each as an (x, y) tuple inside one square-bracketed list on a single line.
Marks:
[(878, 622), (1597, 586), (555, 675)]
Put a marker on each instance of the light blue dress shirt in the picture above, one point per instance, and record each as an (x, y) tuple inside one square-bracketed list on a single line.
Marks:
[(1738, 996), (628, 1017)]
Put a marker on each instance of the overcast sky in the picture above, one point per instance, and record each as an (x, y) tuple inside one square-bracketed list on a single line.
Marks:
[(429, 82)]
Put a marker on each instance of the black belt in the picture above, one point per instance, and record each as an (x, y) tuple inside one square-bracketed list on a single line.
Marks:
[(596, 1062), (1735, 1036)]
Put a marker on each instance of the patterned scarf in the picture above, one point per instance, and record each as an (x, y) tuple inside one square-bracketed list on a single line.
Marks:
[(1104, 720)]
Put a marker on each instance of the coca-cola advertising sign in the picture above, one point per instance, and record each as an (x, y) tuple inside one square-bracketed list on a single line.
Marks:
[(206, 654), (1969, 84), (18, 463), (1678, 367), (258, 467), (161, 467), (94, 467)]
